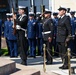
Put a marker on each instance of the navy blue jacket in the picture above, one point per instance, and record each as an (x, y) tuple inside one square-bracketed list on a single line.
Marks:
[(73, 25), (0, 26), (10, 30), (31, 29), (6, 23), (39, 30), (55, 20)]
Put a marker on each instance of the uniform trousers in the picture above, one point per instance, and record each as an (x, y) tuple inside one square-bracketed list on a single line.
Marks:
[(8, 46), (40, 46), (55, 47), (48, 51), (32, 44), (22, 45), (63, 53), (13, 48)]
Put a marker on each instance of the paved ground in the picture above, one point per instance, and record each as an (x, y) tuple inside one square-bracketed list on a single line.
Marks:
[(38, 64), (3, 43)]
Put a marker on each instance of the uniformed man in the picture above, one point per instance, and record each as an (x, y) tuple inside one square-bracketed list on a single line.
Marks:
[(0, 35), (6, 31), (12, 39), (55, 19), (63, 34), (73, 21), (39, 37), (31, 34), (48, 35), (73, 25), (21, 39)]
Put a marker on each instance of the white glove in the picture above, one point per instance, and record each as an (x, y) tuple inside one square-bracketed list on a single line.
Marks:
[(18, 27), (25, 35), (73, 35)]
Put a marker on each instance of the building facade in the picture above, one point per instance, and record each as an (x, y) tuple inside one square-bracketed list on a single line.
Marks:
[(37, 3), (66, 3), (52, 5)]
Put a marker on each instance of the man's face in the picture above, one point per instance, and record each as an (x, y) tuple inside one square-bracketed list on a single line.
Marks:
[(62, 12), (72, 15), (47, 15), (20, 11), (8, 19), (31, 17), (55, 16), (11, 18)]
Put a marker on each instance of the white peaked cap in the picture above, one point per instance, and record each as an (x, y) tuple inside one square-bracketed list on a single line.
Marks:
[(47, 10), (7, 14), (31, 13), (21, 7), (63, 7), (38, 12), (11, 14)]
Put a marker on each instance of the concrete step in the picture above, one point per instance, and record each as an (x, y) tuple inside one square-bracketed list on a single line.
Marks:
[(25, 70), (47, 73), (28, 72), (6, 66)]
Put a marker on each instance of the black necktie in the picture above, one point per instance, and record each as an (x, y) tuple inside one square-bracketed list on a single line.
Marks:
[(60, 18)]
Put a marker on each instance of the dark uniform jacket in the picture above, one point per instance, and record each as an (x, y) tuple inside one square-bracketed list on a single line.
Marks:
[(63, 29), (47, 26), (21, 40), (22, 21)]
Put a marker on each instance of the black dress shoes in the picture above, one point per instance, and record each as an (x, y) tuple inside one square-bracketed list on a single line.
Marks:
[(63, 67), (48, 63), (24, 63), (32, 56)]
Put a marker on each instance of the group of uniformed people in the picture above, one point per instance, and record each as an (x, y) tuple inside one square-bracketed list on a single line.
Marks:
[(38, 29)]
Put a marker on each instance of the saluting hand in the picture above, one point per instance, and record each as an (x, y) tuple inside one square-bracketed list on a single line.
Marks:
[(49, 39), (14, 16)]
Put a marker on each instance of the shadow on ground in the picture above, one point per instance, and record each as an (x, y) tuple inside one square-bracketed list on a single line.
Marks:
[(35, 61)]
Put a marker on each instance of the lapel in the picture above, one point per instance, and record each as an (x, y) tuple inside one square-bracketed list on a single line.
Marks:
[(21, 17), (61, 20)]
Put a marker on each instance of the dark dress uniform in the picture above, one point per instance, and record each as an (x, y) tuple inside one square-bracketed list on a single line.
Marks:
[(21, 39), (48, 32), (63, 31)]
